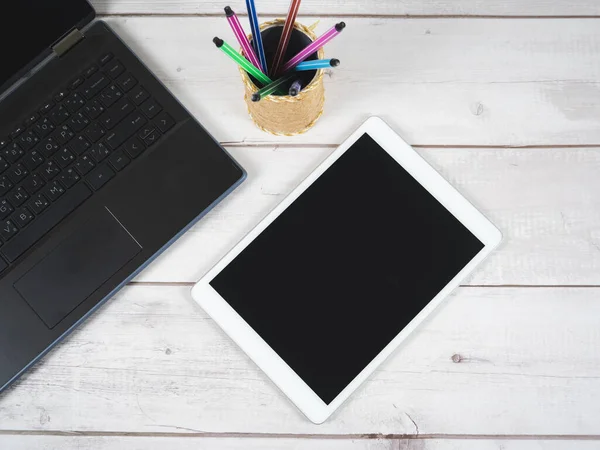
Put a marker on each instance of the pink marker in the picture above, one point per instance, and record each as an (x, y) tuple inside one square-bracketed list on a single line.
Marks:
[(314, 47), (242, 38)]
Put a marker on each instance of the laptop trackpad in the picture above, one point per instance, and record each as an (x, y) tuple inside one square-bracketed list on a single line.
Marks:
[(67, 276)]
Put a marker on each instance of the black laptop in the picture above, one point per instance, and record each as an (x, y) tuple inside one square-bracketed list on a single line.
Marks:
[(101, 169)]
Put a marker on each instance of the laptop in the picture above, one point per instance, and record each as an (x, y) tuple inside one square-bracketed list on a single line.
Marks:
[(101, 169)]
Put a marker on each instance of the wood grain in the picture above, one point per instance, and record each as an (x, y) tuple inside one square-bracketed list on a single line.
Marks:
[(357, 7), (545, 201), (187, 443), (437, 81), (491, 361)]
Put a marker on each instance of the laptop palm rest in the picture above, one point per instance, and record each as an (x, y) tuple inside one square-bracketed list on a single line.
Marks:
[(75, 269)]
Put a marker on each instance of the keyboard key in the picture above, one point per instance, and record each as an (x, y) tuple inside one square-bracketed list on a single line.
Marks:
[(91, 70), (164, 122), (76, 83), (99, 152), (39, 228), (152, 138), (49, 170), (150, 108), (46, 107), (85, 164), (139, 95), (63, 134), (79, 145), (115, 68), (134, 147), (61, 95), (5, 209), (5, 185), (126, 82), (17, 173), (18, 196), (8, 230), (100, 176), (3, 164), (43, 128), (69, 178), (59, 115), (125, 130), (38, 204), (31, 119), (78, 122), (145, 130), (94, 85), (53, 191), (4, 142), (117, 113), (118, 160), (33, 183), (74, 102), (110, 95), (104, 59), (17, 132), (28, 140), (64, 158), (22, 217), (94, 132), (13, 153), (48, 147), (93, 109), (33, 160)]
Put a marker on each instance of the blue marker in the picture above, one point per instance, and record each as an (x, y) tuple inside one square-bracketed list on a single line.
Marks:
[(317, 64), (256, 36)]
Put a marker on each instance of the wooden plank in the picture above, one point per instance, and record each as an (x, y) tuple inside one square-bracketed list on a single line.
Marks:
[(545, 201), (187, 443), (491, 361), (495, 444), (438, 81), (357, 7)]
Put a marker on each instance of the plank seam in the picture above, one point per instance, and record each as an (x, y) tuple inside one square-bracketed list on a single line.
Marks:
[(357, 16), (367, 436)]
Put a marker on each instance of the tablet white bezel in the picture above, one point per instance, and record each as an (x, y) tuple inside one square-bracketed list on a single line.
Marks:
[(261, 353)]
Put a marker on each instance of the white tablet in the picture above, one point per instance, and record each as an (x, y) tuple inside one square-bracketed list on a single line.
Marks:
[(324, 289)]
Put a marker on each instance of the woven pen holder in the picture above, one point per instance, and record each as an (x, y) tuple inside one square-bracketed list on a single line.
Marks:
[(284, 115)]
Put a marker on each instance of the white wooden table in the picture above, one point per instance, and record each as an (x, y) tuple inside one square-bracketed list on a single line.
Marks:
[(502, 97)]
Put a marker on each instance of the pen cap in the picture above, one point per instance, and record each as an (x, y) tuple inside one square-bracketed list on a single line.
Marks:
[(280, 114)]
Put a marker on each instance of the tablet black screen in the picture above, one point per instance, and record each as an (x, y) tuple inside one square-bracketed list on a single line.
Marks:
[(346, 267)]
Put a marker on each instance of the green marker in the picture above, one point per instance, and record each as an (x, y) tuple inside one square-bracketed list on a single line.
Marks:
[(271, 88), (241, 61)]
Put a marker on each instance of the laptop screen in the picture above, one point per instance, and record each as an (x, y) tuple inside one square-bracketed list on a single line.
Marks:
[(30, 27)]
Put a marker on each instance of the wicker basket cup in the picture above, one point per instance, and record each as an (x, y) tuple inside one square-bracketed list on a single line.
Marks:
[(284, 115)]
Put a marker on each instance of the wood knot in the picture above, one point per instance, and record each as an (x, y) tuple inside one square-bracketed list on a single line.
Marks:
[(456, 358), (477, 109)]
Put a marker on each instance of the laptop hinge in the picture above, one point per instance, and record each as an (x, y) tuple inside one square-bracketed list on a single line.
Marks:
[(68, 42)]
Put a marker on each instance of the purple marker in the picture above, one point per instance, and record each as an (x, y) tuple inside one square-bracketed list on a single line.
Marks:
[(315, 46), (242, 38)]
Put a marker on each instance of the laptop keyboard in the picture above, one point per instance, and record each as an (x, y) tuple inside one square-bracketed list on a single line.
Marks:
[(71, 147)]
